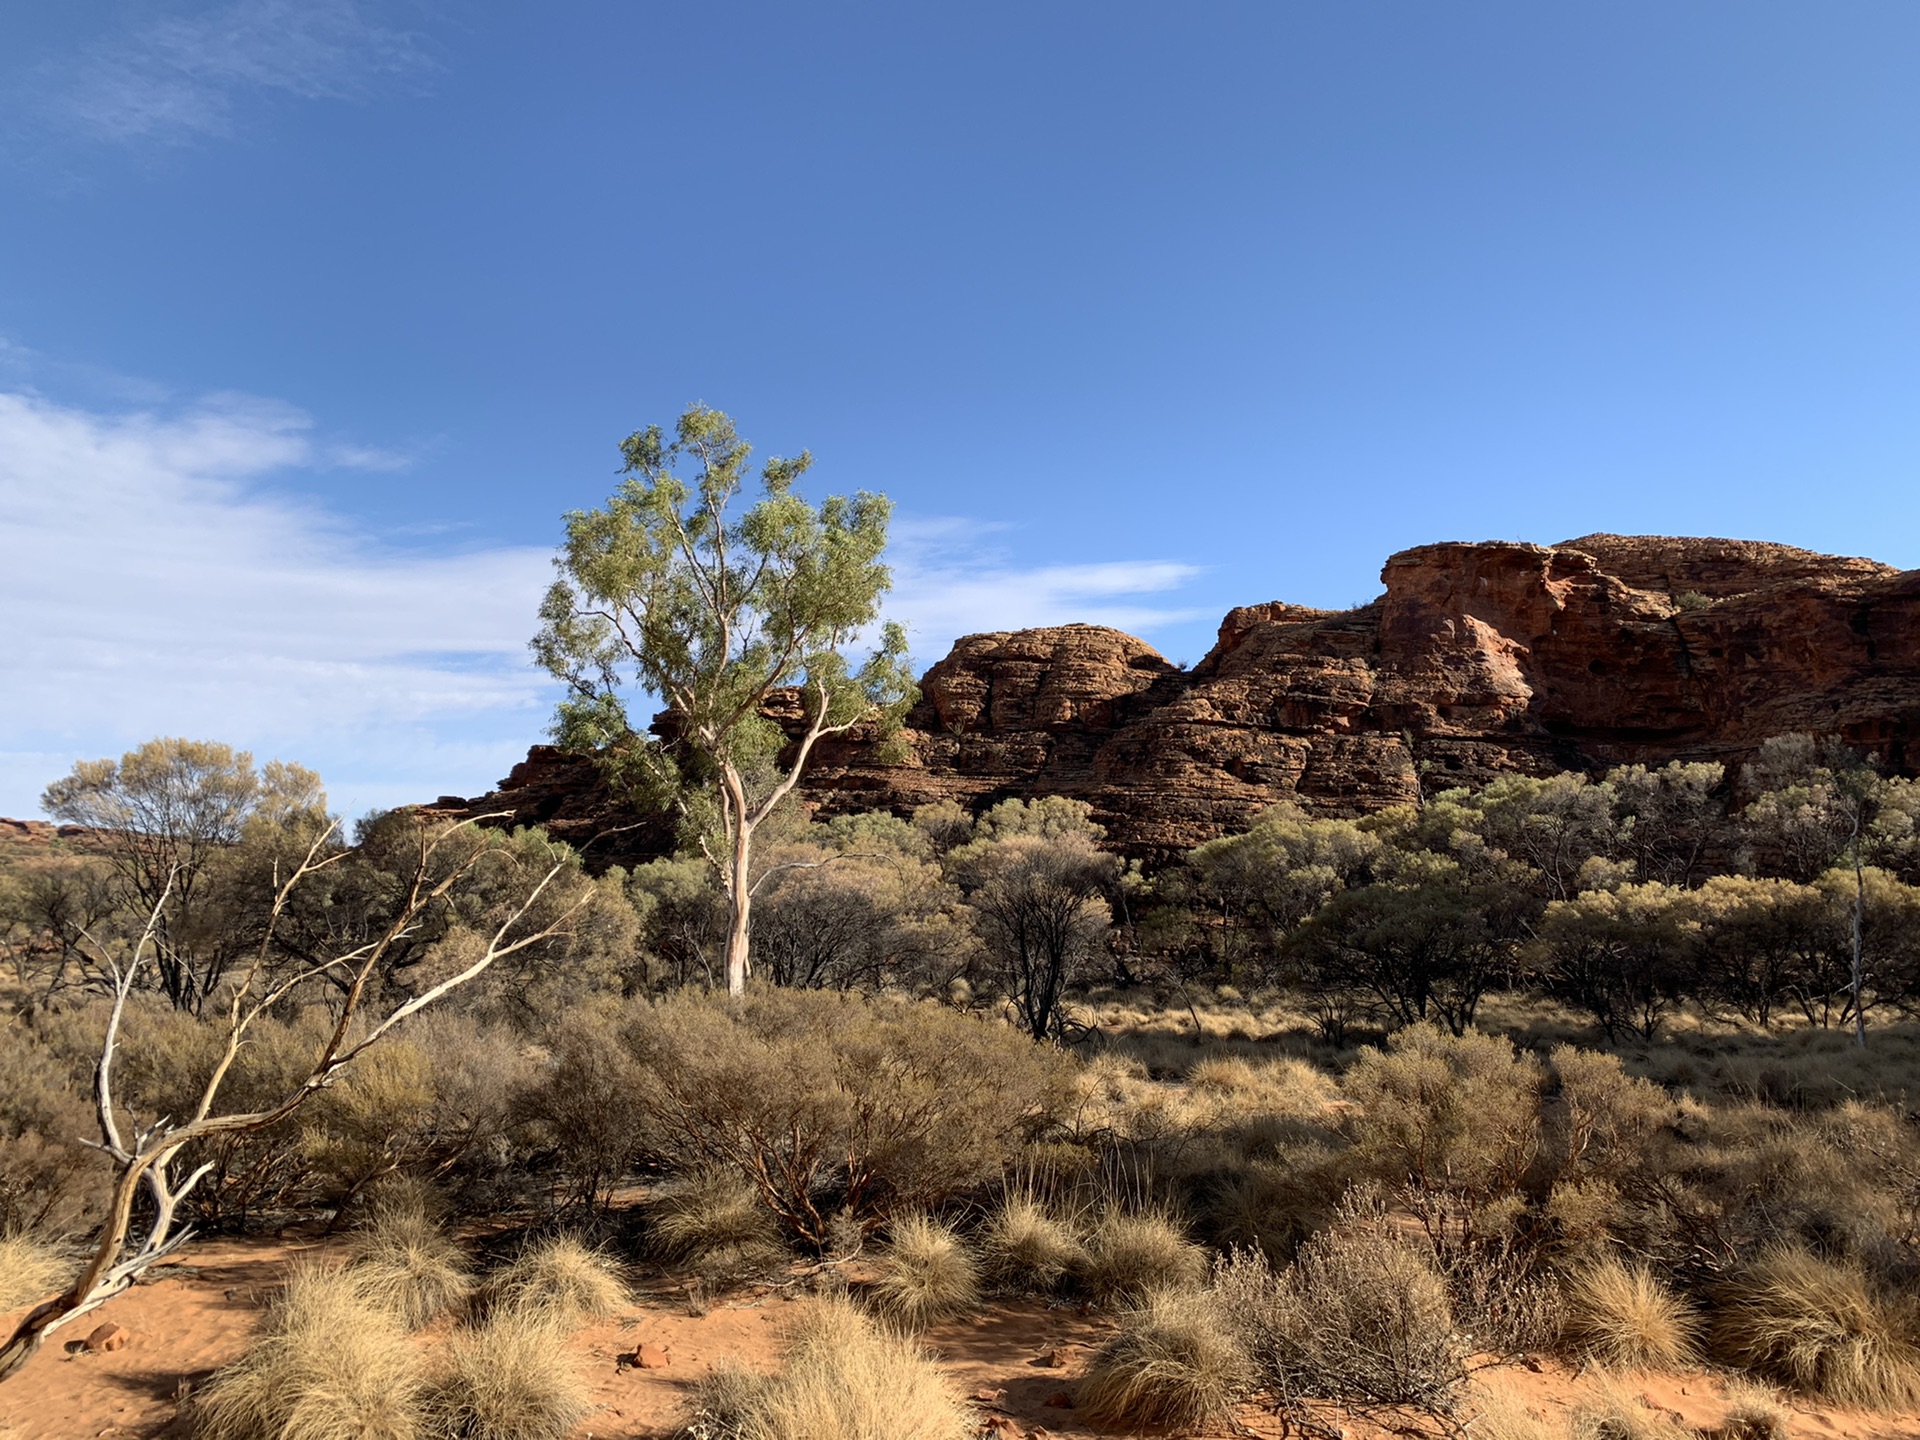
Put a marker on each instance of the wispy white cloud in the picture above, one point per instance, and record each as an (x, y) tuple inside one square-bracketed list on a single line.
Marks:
[(153, 586), (174, 79), (954, 577), (158, 583)]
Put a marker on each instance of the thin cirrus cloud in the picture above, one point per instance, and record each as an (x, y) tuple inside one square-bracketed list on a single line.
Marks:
[(176, 79), (156, 585)]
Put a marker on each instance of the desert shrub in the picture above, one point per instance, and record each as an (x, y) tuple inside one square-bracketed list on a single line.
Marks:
[(843, 1376), (925, 1274), (1362, 1316), (373, 1119), (326, 1364), (1025, 1249), (828, 1101), (586, 1109), (1176, 1363), (407, 1265), (714, 1222), (511, 1378), (30, 1271), (1130, 1255), (1622, 1317), (1605, 1116), (1453, 1120), (560, 1278), (1821, 1327), (46, 1174)]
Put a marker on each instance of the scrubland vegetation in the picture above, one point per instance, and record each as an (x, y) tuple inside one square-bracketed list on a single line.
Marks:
[(1329, 1113)]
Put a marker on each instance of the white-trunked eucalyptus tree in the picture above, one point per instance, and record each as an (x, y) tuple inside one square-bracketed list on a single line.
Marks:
[(141, 1226), (663, 594)]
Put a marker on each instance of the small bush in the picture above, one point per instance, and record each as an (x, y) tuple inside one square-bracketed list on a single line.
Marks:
[(715, 1223), (327, 1364), (844, 1377), (1821, 1328), (1622, 1317), (30, 1271), (1175, 1363), (926, 1274), (831, 1102), (1362, 1316), (406, 1264), (1131, 1255), (509, 1379), (1026, 1250), (560, 1278)]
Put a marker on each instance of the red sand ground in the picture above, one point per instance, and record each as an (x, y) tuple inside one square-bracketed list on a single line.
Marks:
[(197, 1315)]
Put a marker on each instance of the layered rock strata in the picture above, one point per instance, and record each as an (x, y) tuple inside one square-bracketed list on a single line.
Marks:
[(1479, 659)]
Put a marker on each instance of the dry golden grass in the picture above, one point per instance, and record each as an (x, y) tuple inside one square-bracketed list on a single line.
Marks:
[(563, 1278), (846, 1378), (405, 1263), (1754, 1412), (327, 1364), (1025, 1249), (30, 1271), (509, 1379), (1615, 1412), (926, 1274), (1821, 1328), (1130, 1255), (1176, 1363), (1506, 1417), (714, 1222), (1622, 1317)]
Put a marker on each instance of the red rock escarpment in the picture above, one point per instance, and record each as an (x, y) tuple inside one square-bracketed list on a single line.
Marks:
[(1479, 659)]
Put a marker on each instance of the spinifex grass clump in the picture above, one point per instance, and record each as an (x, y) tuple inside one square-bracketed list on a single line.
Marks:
[(562, 1279), (1622, 1317), (1176, 1363), (405, 1263), (511, 1378), (1131, 1255), (1026, 1249), (926, 1274), (844, 1377), (327, 1364), (30, 1271), (1822, 1328)]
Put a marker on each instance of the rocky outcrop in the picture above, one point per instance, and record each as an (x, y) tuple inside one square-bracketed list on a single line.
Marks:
[(1479, 659)]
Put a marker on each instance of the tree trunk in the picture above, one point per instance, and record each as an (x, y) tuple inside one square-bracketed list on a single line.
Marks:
[(739, 909), (1859, 908)]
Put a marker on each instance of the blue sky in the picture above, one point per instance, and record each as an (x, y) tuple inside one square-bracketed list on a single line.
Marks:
[(315, 315)]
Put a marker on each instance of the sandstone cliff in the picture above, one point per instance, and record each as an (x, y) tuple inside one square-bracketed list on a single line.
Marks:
[(1478, 659)]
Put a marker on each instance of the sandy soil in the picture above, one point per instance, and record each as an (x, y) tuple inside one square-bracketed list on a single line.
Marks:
[(194, 1316)]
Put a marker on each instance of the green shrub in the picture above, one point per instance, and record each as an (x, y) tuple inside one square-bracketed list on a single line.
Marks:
[(830, 1102)]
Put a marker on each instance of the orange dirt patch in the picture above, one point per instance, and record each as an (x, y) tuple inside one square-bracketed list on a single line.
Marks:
[(197, 1315)]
